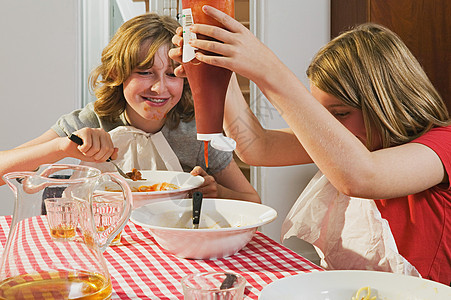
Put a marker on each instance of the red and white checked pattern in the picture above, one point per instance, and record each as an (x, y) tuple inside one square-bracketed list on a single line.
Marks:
[(32, 234), (141, 269)]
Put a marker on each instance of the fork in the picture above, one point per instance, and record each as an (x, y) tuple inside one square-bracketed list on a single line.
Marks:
[(77, 140), (118, 169)]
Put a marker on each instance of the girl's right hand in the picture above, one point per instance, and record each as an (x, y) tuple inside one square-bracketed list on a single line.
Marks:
[(209, 188), (97, 145), (237, 48)]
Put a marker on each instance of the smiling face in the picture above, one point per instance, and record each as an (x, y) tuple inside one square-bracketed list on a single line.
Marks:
[(350, 117), (152, 93)]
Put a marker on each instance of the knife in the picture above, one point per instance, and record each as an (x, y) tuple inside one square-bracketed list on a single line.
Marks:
[(197, 205)]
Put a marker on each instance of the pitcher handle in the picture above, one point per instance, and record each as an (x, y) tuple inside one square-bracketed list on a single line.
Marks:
[(105, 237)]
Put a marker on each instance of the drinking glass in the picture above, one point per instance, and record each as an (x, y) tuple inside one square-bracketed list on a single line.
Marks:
[(213, 286), (107, 210), (62, 217)]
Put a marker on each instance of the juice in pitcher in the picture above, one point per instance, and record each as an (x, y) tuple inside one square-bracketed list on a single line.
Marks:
[(208, 83), (57, 285)]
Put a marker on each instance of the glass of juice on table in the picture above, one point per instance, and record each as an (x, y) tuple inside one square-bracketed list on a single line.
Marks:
[(208, 83), (107, 210), (62, 217)]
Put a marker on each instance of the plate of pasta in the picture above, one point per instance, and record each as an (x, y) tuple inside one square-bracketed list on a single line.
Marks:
[(156, 185), (354, 285)]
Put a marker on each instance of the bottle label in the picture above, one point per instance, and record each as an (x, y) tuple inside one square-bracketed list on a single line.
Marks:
[(187, 21)]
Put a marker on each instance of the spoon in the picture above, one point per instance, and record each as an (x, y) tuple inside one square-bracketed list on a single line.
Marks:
[(77, 140), (197, 205)]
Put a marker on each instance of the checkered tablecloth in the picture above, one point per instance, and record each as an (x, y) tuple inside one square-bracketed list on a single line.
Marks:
[(141, 269)]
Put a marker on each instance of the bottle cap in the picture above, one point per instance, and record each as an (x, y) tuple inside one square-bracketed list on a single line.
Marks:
[(218, 141), (223, 143)]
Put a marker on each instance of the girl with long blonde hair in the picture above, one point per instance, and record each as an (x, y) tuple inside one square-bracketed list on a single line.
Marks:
[(372, 122)]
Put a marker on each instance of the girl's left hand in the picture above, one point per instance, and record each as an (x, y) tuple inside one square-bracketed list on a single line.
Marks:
[(209, 188), (176, 53)]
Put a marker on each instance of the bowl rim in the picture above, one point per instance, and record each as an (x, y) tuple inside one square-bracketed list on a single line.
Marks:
[(272, 215)]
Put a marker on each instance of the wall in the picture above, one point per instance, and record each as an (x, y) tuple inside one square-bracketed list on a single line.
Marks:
[(294, 30), (39, 71), (101, 19)]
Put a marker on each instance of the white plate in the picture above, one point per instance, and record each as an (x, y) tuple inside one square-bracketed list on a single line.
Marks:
[(185, 181), (342, 285)]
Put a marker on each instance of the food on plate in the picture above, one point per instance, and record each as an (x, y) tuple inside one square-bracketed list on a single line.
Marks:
[(163, 186), (134, 175), (366, 297)]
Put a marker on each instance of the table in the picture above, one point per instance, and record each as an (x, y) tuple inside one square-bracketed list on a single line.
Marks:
[(141, 269)]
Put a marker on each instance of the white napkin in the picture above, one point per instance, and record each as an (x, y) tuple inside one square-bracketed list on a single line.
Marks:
[(348, 233), (141, 150)]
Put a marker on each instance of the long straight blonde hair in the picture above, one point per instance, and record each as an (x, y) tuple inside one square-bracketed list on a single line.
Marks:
[(371, 69), (147, 32)]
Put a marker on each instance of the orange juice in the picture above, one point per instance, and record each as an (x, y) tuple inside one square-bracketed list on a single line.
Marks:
[(57, 285), (63, 231), (116, 239)]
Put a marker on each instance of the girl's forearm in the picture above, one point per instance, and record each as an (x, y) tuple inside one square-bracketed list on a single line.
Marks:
[(226, 193), (241, 124), (256, 145), (331, 146), (30, 157)]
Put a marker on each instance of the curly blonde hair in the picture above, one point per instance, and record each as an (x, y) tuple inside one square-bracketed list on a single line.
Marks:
[(123, 54), (371, 69)]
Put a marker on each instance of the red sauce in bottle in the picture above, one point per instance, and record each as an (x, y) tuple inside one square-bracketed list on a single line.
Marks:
[(208, 83)]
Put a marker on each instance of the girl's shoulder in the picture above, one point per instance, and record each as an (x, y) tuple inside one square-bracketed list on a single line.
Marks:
[(439, 140), (75, 120), (436, 133), (185, 132)]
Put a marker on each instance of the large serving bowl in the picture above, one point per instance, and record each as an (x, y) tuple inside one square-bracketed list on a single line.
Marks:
[(225, 227), (185, 181)]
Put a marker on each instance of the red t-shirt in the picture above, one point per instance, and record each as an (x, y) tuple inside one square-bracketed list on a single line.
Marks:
[(421, 223)]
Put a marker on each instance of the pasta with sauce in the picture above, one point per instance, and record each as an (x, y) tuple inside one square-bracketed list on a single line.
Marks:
[(162, 186), (366, 297), (134, 175)]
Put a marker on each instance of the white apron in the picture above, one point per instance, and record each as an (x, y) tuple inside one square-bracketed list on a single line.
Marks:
[(348, 233), (141, 150)]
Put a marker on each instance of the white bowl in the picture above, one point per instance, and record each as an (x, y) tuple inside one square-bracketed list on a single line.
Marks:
[(185, 181), (225, 227)]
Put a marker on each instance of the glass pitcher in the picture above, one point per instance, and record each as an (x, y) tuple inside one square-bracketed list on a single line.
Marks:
[(36, 263)]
